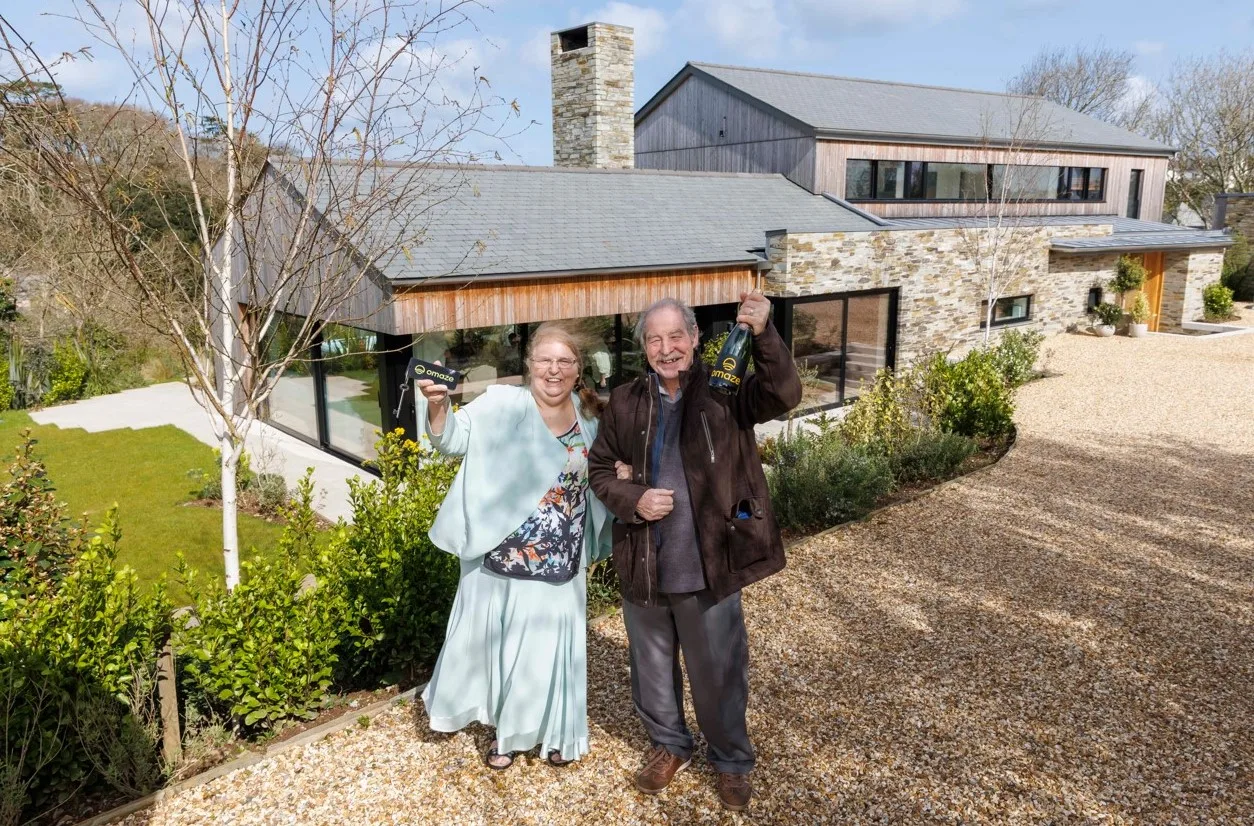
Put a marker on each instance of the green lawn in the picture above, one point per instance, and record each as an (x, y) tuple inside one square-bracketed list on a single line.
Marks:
[(145, 473)]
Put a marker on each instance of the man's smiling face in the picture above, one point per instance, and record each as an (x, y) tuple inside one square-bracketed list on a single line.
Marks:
[(668, 344)]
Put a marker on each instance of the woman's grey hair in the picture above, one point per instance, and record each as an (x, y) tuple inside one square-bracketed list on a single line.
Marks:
[(690, 318)]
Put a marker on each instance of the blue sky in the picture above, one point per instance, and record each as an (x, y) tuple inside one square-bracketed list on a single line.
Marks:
[(967, 43)]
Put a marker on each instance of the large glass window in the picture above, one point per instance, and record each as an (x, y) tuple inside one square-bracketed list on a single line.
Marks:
[(818, 335), (867, 180), (484, 355), (1025, 183), (890, 179), (292, 404), (350, 367), (957, 181), (839, 342), (858, 180)]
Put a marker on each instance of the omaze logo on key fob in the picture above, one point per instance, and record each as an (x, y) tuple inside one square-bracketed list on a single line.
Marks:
[(447, 376)]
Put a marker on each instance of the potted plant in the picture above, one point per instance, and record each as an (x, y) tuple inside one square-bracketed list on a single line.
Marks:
[(1140, 313), (1108, 315), (1130, 275)]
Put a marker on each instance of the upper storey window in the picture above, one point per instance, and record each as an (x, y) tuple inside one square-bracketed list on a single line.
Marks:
[(867, 180)]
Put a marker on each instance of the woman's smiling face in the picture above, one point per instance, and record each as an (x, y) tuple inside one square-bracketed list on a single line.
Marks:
[(554, 369)]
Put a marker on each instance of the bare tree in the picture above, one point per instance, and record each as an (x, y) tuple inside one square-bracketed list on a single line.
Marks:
[(1208, 114), (302, 131), (1095, 80), (999, 239)]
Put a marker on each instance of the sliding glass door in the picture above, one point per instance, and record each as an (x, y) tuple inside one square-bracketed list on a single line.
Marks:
[(839, 342)]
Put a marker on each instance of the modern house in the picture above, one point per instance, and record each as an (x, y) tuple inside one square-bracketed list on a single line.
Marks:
[(870, 212)]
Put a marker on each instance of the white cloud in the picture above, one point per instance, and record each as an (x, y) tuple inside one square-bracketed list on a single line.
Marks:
[(1140, 89), (835, 17), (534, 52), (649, 24), (751, 25), (1149, 47)]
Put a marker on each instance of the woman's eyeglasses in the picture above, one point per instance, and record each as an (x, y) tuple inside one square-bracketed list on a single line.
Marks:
[(545, 364)]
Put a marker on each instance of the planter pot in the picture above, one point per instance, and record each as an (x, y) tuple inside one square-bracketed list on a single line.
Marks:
[(1138, 330), (1104, 330)]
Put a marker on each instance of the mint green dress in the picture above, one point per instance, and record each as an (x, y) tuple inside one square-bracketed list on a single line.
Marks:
[(515, 650)]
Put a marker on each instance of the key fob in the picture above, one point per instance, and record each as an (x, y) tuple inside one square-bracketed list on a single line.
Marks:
[(419, 369)]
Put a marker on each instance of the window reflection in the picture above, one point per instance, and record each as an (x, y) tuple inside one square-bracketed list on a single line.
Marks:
[(292, 403), (484, 355), (350, 365)]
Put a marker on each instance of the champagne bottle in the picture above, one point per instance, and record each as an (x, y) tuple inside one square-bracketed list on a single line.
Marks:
[(729, 370)]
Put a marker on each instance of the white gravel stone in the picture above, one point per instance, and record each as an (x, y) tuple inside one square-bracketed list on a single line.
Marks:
[(1064, 637)]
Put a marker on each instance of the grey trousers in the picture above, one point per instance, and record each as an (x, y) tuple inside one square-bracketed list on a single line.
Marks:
[(711, 636)]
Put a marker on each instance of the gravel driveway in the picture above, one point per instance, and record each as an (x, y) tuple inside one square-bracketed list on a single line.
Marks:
[(1062, 638)]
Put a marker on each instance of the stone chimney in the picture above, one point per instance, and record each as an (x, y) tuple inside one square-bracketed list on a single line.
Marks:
[(594, 121)]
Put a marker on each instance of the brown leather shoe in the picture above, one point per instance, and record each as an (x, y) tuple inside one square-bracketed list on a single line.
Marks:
[(659, 767), (734, 791)]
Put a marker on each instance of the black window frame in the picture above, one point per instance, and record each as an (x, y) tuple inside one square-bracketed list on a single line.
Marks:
[(915, 172), (1136, 186), (1096, 296), (1006, 322)]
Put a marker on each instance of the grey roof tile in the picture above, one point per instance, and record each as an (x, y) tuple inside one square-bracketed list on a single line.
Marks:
[(514, 220), (859, 107)]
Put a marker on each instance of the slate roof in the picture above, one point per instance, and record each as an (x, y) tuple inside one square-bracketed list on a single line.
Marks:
[(854, 108), (508, 220)]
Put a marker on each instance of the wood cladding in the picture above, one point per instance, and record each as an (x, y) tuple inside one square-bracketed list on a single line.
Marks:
[(832, 155), (488, 303), (701, 126)]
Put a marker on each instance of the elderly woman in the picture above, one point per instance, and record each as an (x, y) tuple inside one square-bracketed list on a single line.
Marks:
[(522, 520)]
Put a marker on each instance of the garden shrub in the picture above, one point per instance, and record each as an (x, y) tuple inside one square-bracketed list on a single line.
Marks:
[(266, 493), (1015, 356), (38, 540), (603, 588), (77, 669), (7, 393), (931, 455), (1238, 269), (1130, 275), (1217, 302), (820, 481), (68, 377), (265, 651), (969, 397), (887, 415), (397, 585)]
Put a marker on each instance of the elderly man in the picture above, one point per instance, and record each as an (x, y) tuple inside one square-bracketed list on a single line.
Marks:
[(694, 526)]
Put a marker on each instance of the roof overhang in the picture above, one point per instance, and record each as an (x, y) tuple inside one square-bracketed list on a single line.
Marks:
[(752, 262), (1117, 244), (958, 140)]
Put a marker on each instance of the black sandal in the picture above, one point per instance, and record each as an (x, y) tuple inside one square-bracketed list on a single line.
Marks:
[(559, 762), (492, 752)]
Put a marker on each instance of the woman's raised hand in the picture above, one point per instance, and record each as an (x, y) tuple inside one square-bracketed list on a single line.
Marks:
[(435, 394)]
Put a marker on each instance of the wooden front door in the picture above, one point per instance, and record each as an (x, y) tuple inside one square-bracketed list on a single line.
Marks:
[(1154, 286)]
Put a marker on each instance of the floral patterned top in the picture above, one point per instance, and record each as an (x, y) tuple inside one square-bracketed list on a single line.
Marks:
[(549, 543)]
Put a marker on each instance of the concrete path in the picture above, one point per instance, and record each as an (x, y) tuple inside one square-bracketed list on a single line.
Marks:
[(172, 403)]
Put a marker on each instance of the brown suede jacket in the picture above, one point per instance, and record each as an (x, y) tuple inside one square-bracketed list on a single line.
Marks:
[(736, 529)]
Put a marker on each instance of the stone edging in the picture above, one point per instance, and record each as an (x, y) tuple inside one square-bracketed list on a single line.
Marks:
[(247, 759)]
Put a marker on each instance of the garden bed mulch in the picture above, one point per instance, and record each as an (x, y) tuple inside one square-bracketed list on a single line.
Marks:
[(1062, 637)]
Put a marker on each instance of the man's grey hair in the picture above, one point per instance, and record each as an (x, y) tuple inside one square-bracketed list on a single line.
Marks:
[(690, 318)]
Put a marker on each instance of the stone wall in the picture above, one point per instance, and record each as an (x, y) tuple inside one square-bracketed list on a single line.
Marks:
[(593, 99), (1236, 212), (941, 283), (1185, 275)]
